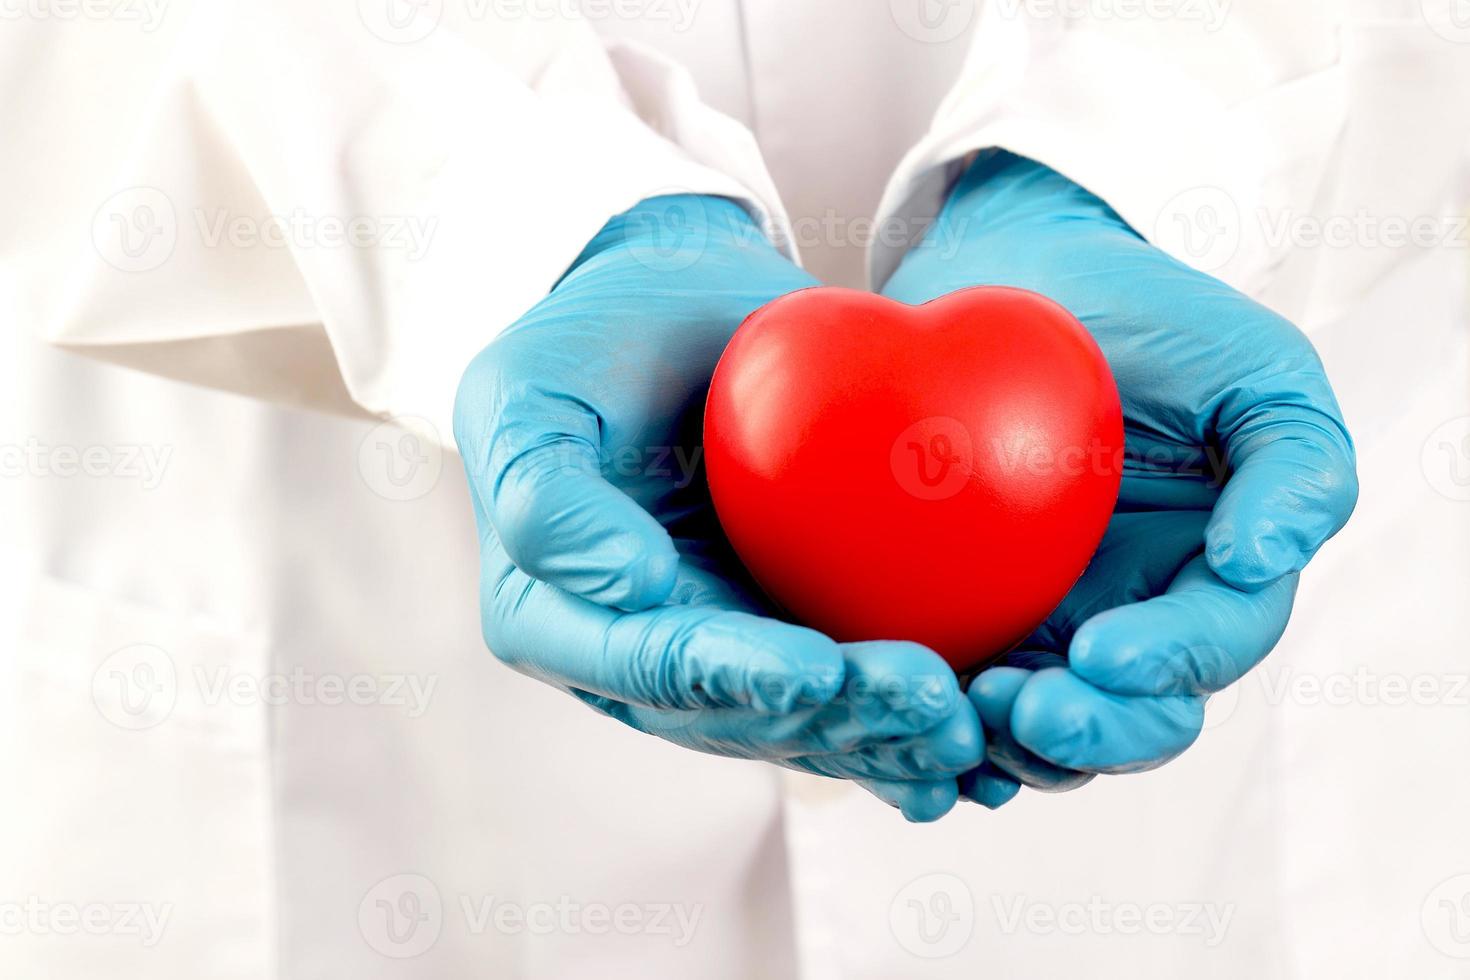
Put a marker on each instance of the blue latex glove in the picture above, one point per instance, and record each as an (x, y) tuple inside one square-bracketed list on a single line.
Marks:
[(1238, 467), (604, 570)]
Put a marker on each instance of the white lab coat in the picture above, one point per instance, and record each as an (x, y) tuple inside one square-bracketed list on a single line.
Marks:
[(248, 726)]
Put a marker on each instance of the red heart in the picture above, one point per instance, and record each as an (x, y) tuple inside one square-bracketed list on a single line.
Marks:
[(940, 473)]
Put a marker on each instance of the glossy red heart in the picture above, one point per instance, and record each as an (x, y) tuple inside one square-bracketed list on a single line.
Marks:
[(940, 473)]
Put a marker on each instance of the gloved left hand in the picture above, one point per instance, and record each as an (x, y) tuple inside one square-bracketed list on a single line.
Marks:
[(1237, 468), (604, 570)]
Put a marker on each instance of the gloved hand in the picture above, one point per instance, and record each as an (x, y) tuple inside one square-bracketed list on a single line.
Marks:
[(1237, 468), (604, 570)]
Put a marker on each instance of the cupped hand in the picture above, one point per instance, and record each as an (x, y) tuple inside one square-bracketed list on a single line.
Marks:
[(1237, 469)]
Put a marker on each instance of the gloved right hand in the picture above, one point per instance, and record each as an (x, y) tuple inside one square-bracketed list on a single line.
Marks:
[(1237, 468), (604, 570)]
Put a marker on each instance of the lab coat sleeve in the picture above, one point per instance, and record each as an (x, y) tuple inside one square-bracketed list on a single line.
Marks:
[(1189, 117), (339, 204)]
